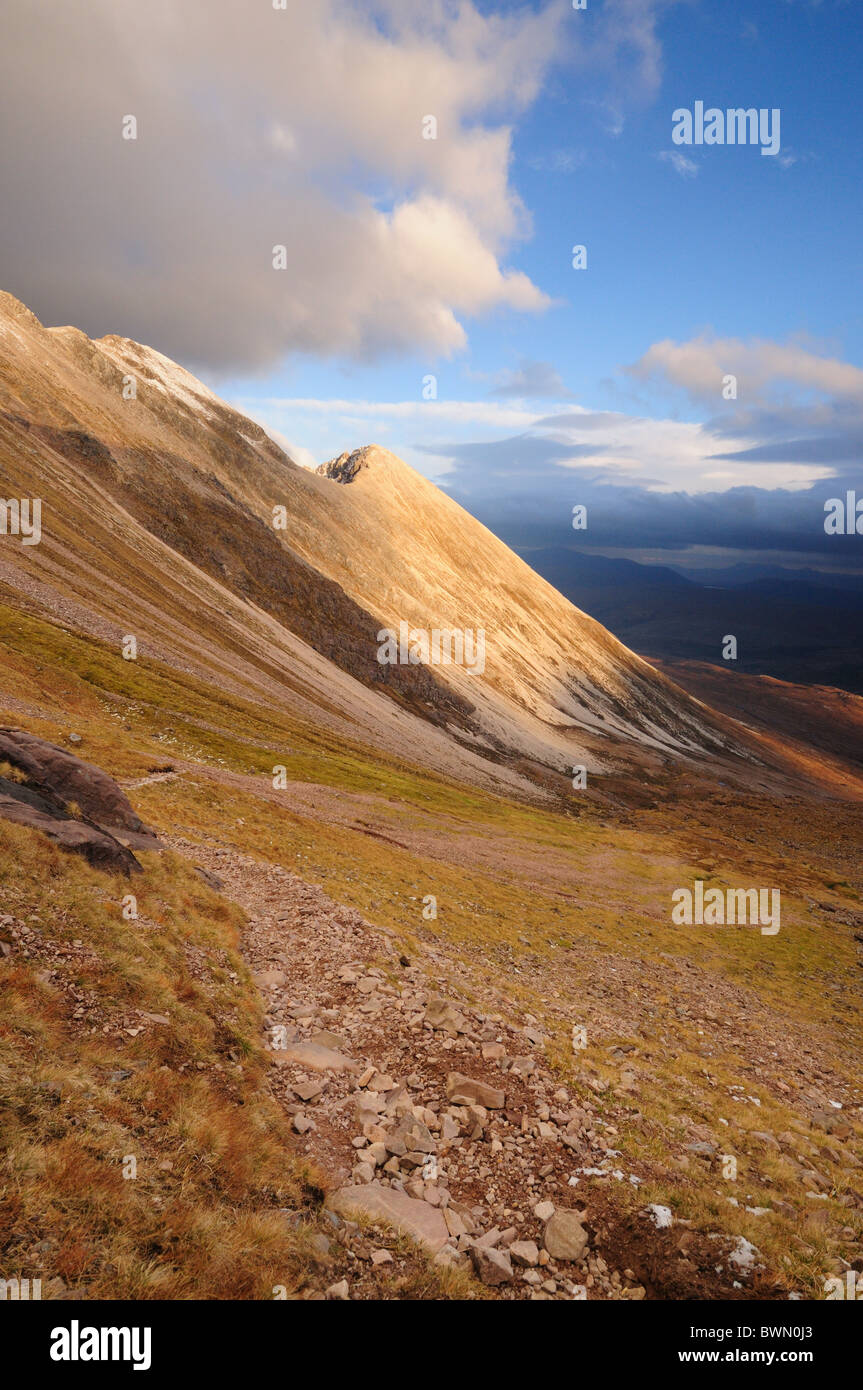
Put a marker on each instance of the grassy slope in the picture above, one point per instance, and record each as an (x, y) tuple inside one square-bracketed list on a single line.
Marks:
[(566, 914), (216, 1160)]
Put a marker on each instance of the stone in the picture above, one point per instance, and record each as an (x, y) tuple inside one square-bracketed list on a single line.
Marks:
[(338, 1292), (417, 1136), (443, 1015), (544, 1211), (564, 1237), (448, 1129), (660, 1215), (212, 880), (312, 1056), (523, 1066), (408, 1215), (269, 979), (455, 1223), (326, 1039), (492, 1266), (463, 1091), (308, 1090), (447, 1257), (381, 1257), (525, 1253), (764, 1138), (379, 1083)]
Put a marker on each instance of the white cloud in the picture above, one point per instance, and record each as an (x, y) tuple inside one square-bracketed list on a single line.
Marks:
[(564, 161), (301, 127), (680, 163), (427, 413), (760, 366), (659, 455), (260, 127), (664, 455)]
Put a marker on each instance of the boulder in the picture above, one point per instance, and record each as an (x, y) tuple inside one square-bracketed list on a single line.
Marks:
[(37, 813), (76, 805), (69, 779), (565, 1238), (408, 1215)]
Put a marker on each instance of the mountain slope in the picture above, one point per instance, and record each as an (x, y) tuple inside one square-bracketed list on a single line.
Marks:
[(158, 522), (258, 648)]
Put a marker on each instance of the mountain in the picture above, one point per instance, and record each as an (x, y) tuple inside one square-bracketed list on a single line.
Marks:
[(731, 576), (375, 955), (795, 628), (159, 503)]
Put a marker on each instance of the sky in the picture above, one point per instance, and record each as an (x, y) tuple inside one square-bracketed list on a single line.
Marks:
[(426, 298)]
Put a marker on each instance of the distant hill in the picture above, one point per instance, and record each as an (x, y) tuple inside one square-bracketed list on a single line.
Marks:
[(802, 629)]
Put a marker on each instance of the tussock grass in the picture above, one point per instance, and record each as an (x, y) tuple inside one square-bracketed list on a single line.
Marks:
[(187, 1100)]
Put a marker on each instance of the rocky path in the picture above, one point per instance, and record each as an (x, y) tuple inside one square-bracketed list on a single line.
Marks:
[(427, 1113)]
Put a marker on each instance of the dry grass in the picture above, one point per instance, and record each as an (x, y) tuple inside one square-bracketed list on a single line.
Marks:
[(187, 1102), (560, 916)]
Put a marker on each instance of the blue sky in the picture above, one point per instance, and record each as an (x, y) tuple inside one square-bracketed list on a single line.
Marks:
[(749, 246), (739, 245), (452, 257)]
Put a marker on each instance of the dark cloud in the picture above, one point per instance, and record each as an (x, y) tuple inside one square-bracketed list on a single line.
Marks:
[(832, 449), (521, 489)]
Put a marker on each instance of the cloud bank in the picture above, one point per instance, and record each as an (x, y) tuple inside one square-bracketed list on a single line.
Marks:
[(259, 127)]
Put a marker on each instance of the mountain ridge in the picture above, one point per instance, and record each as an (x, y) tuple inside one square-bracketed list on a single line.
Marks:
[(176, 466)]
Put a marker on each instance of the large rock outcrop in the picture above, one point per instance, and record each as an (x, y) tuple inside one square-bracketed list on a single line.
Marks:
[(75, 804)]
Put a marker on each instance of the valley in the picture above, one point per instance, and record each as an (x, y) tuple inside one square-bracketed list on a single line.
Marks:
[(617, 1106)]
